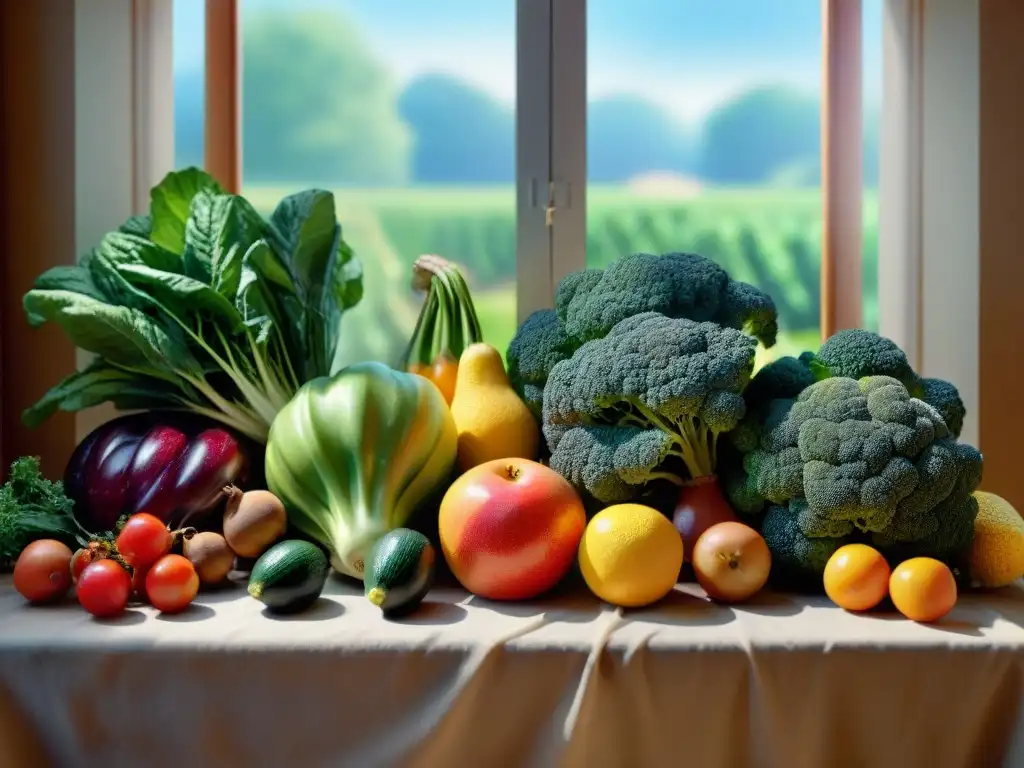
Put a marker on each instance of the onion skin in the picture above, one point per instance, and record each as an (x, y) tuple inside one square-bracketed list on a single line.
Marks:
[(700, 505), (731, 562)]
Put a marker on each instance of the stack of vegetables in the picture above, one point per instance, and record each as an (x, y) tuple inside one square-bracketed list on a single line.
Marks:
[(628, 434)]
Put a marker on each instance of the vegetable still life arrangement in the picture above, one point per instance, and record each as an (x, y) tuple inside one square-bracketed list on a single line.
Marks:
[(625, 436)]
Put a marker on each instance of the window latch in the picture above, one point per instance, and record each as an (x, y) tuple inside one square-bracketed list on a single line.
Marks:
[(549, 209)]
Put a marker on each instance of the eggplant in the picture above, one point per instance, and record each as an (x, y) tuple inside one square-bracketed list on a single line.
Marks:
[(169, 464)]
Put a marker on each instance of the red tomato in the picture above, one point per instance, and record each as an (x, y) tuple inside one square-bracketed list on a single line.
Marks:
[(104, 588), (172, 584), (88, 554), (143, 540), (43, 571)]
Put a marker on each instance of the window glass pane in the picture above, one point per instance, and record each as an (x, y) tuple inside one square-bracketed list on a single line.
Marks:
[(872, 87), (406, 110), (704, 136), (189, 36)]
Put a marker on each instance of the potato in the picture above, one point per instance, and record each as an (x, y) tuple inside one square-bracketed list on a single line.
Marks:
[(211, 556), (253, 521)]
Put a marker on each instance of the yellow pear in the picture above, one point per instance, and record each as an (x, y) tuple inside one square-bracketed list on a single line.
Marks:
[(492, 422)]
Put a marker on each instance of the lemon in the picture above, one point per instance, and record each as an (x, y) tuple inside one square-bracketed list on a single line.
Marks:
[(997, 552), (630, 555)]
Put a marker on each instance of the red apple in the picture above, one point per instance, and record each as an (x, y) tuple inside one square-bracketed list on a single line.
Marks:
[(510, 529)]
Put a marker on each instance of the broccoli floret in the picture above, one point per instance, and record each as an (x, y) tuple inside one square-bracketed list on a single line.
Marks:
[(646, 402), (784, 377), (944, 397), (797, 559), (539, 343), (856, 353), (682, 285), (859, 458)]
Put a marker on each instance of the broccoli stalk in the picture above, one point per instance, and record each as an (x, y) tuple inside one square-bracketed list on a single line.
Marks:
[(645, 403)]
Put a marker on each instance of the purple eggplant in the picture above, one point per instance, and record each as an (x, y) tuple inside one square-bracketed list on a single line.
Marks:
[(168, 464)]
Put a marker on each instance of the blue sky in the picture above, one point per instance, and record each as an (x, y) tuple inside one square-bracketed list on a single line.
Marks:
[(686, 55)]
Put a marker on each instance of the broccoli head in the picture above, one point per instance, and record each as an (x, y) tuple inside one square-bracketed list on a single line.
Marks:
[(683, 285), (645, 402), (856, 353), (588, 303), (537, 346), (848, 458), (944, 397)]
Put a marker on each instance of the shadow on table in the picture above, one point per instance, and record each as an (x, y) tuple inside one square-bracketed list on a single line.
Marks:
[(324, 609), (225, 593), (570, 602), (195, 612), (125, 618), (432, 613), (948, 624), (769, 603)]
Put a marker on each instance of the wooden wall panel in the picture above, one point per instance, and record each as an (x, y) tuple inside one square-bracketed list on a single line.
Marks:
[(37, 188), (1001, 336)]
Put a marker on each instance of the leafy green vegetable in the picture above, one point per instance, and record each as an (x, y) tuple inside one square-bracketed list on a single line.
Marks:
[(203, 305), (31, 508)]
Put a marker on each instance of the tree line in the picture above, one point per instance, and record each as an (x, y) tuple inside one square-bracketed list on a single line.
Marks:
[(320, 106)]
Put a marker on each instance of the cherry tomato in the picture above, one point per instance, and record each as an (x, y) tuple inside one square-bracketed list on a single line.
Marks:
[(856, 577), (43, 571), (922, 589), (172, 584), (104, 588), (88, 554), (143, 540)]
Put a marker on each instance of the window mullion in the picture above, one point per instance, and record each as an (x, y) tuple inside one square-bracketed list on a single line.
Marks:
[(153, 97), (533, 155), (568, 137), (223, 129), (842, 186)]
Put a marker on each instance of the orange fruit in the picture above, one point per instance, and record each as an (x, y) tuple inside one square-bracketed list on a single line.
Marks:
[(856, 577), (922, 589)]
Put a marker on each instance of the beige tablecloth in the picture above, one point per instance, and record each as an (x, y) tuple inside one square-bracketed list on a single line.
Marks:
[(784, 681)]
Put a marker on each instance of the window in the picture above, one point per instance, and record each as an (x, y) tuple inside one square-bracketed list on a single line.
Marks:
[(701, 131)]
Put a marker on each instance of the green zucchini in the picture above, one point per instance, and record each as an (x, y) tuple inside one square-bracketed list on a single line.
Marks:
[(290, 576), (401, 572)]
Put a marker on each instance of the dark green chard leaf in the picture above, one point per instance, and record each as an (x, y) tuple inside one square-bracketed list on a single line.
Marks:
[(98, 383), (220, 229), (76, 279), (123, 335), (132, 249), (183, 295), (170, 202), (266, 298), (137, 225), (307, 237)]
